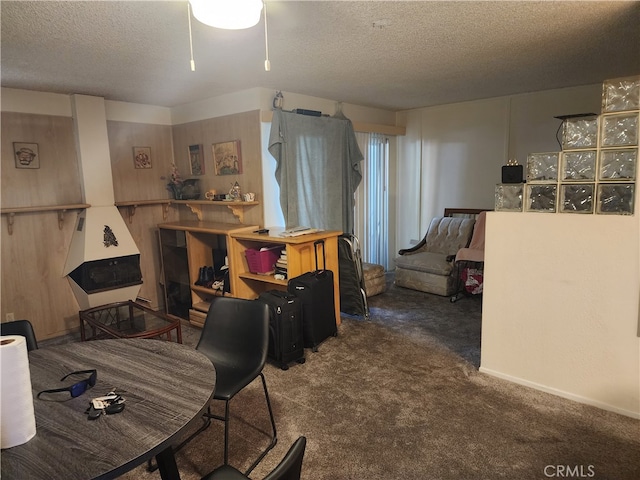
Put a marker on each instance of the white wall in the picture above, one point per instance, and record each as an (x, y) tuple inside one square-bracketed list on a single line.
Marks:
[(562, 292), (533, 127), (560, 306), (450, 157)]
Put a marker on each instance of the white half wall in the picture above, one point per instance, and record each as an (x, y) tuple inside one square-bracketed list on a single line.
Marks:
[(560, 306)]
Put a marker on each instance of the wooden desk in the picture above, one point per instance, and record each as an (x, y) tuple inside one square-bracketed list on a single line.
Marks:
[(167, 386)]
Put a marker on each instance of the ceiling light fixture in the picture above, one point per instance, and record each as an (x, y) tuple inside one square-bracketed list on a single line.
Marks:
[(227, 14)]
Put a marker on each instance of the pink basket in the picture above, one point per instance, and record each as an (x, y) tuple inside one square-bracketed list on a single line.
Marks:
[(263, 260)]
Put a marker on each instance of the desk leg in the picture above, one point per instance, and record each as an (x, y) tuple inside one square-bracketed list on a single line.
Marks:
[(167, 465)]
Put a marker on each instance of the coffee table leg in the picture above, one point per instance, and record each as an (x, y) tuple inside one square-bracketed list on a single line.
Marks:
[(167, 465)]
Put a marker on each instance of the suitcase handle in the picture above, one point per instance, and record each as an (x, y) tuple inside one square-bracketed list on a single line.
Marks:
[(315, 250)]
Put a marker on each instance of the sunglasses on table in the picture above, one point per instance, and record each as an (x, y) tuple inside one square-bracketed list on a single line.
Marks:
[(78, 388)]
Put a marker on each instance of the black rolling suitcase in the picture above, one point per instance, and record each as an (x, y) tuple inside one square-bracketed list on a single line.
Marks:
[(315, 290), (285, 328)]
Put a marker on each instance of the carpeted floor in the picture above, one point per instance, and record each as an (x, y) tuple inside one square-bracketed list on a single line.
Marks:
[(400, 397)]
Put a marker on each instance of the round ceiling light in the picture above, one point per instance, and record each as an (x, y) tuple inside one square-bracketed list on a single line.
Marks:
[(227, 14)]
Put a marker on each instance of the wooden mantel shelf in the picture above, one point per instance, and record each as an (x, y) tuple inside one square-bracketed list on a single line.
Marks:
[(237, 208), (61, 209), (133, 204)]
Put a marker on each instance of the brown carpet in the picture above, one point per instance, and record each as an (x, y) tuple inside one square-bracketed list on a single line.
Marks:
[(400, 397)]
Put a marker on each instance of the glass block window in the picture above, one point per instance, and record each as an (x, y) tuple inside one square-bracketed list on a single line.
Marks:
[(581, 132), (542, 167), (542, 198), (619, 130), (509, 197), (618, 164), (579, 166), (621, 94), (577, 198), (616, 198)]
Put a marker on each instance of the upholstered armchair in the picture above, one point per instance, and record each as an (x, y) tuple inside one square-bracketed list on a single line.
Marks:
[(429, 266)]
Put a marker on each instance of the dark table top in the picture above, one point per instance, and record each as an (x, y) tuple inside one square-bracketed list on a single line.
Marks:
[(167, 386)]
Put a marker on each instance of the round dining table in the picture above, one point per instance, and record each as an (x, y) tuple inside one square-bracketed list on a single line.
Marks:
[(167, 387)]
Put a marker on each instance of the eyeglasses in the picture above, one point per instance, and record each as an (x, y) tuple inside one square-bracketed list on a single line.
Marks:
[(78, 388)]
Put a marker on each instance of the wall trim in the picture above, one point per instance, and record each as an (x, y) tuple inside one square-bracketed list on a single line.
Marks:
[(561, 393)]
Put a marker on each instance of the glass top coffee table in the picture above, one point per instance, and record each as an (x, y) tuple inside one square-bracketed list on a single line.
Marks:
[(127, 320)]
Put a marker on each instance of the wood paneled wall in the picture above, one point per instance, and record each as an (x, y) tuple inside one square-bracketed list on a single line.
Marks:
[(33, 257), (57, 181), (242, 126), (130, 183)]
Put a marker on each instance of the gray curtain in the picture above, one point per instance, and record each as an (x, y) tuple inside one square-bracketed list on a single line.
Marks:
[(318, 169)]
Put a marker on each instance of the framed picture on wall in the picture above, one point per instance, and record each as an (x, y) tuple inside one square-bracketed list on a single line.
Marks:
[(26, 155), (142, 157), (196, 160), (227, 158)]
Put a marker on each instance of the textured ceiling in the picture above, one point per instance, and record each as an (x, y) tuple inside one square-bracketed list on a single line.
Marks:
[(394, 55)]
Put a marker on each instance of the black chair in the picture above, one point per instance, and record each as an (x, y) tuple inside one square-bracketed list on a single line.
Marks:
[(235, 337), (288, 469), (20, 327)]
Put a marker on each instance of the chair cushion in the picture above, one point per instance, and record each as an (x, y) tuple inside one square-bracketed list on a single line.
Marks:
[(225, 472), (427, 262)]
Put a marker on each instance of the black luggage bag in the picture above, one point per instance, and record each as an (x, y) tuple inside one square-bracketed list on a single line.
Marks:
[(285, 328), (315, 290)]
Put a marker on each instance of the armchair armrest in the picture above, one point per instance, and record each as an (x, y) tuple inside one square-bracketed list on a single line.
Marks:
[(413, 249)]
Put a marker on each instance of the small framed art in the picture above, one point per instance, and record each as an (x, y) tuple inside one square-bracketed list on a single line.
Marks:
[(196, 160), (227, 158), (142, 157), (26, 155)]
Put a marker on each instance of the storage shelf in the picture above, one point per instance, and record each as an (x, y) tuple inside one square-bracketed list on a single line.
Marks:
[(263, 278), (206, 291), (61, 209), (201, 306), (302, 252), (196, 242)]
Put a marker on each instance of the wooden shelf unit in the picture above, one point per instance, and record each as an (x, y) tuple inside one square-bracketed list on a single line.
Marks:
[(301, 253), (185, 247)]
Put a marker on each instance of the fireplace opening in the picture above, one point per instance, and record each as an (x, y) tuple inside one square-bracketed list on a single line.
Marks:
[(108, 274)]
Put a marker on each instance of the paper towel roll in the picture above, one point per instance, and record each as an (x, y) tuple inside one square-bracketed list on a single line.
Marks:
[(17, 419)]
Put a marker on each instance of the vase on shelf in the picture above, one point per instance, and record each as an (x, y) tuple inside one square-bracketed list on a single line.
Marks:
[(176, 190), (191, 189)]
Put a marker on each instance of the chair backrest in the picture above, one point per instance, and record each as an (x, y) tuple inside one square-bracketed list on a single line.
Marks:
[(291, 465), (447, 235), (236, 332), (20, 327)]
